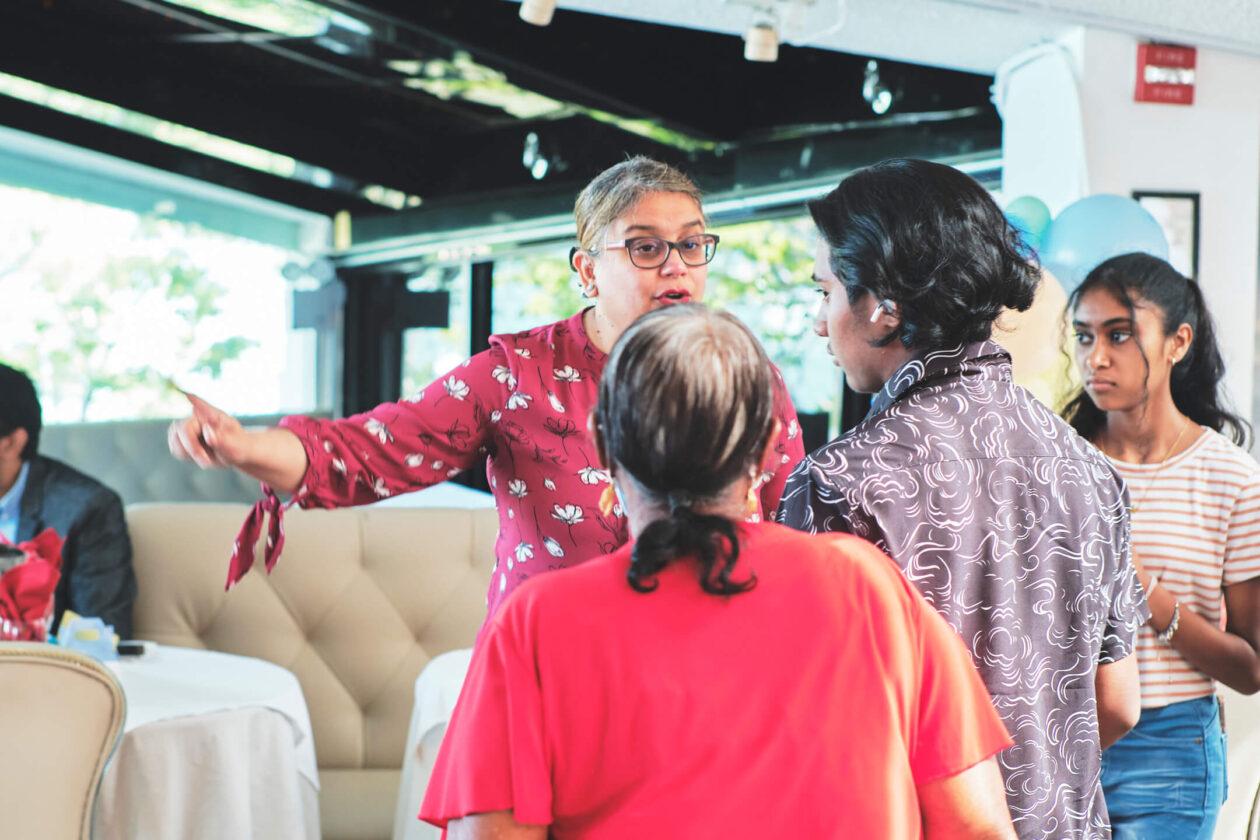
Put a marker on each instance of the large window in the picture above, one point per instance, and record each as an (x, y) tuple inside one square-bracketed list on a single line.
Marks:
[(105, 308), (533, 289), (428, 352), (762, 275)]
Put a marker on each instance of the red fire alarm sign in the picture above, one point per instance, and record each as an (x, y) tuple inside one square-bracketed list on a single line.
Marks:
[(1165, 73)]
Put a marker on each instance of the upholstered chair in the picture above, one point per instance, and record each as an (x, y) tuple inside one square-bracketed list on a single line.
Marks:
[(61, 713)]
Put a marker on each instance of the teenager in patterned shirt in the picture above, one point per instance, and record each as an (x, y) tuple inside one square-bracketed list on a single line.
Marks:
[(523, 404), (1152, 403), (1008, 522)]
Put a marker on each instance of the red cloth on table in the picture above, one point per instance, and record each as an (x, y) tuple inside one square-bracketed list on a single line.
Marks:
[(27, 590), (524, 402), (810, 706)]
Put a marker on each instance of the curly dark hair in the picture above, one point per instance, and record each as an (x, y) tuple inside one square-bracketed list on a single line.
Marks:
[(686, 408), (932, 240), (1195, 380), (19, 408)]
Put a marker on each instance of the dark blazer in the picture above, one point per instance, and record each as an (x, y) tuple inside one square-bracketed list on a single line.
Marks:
[(96, 574)]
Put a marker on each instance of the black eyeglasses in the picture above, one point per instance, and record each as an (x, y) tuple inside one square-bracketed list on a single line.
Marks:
[(653, 251)]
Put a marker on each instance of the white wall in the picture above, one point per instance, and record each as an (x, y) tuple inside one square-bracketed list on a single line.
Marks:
[(1211, 147)]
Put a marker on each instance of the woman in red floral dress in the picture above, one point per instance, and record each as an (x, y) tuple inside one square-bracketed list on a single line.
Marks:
[(523, 404)]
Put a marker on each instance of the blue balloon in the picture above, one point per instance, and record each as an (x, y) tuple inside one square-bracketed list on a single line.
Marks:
[(1031, 217), (1094, 229)]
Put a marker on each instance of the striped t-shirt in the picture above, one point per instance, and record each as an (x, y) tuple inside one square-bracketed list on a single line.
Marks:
[(1196, 524)]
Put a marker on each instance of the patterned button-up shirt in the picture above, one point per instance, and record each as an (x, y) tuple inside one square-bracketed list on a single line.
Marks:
[(523, 405), (1017, 530)]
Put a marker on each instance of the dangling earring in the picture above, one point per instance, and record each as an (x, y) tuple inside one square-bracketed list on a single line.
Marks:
[(608, 499), (589, 290), (751, 507)]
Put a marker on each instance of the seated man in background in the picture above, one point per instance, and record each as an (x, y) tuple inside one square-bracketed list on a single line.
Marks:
[(38, 493)]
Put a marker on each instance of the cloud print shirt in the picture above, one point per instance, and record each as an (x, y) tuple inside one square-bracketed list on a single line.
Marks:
[(1017, 530)]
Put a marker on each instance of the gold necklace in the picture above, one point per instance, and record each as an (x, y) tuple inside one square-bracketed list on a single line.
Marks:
[(1161, 463)]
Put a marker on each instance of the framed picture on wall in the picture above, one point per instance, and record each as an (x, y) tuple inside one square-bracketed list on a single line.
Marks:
[(1178, 214)]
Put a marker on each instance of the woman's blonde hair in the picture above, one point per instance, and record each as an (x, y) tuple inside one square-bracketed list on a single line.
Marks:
[(618, 189)]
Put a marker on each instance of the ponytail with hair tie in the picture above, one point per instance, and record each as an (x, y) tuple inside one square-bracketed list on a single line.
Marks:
[(679, 501), (659, 376), (686, 532)]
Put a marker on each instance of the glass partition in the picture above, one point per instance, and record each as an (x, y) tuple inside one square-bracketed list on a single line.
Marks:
[(106, 308), (428, 352)]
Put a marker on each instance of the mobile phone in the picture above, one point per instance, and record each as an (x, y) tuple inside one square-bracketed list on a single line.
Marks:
[(10, 556), (131, 648)]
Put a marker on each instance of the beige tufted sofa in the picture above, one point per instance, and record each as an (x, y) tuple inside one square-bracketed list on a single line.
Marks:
[(359, 603)]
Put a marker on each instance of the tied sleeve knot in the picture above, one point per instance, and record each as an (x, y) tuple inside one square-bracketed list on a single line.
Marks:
[(246, 541)]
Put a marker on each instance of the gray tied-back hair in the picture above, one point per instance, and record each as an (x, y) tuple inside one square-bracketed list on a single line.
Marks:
[(686, 409)]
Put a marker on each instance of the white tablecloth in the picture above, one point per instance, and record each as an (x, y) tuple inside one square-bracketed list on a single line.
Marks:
[(437, 689), (447, 494), (214, 746)]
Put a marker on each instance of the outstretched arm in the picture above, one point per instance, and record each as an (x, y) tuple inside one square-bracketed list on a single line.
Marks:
[(212, 438)]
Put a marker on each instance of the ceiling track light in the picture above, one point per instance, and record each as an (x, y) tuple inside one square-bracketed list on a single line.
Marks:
[(538, 12), (775, 22), (874, 91), (761, 41), (541, 157)]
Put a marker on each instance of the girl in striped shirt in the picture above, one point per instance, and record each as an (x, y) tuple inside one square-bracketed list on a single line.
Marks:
[(1151, 401)]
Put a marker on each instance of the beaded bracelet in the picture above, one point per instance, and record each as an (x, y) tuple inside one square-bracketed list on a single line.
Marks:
[(1166, 634)]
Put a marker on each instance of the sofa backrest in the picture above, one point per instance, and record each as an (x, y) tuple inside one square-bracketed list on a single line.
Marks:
[(359, 602), (131, 458)]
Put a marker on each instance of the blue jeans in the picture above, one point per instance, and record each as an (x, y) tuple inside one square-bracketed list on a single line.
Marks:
[(1165, 779)]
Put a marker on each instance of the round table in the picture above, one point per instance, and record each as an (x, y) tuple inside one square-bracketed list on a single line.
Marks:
[(214, 745)]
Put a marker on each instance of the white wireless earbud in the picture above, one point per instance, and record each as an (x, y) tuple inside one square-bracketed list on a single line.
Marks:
[(885, 305)]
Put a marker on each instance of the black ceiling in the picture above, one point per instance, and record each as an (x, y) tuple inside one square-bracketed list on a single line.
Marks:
[(352, 115)]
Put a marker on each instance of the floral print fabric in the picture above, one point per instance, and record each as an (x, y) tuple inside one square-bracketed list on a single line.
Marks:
[(525, 404), (1017, 530)]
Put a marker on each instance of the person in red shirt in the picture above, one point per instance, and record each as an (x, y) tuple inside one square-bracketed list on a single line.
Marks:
[(715, 678), (523, 404)]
